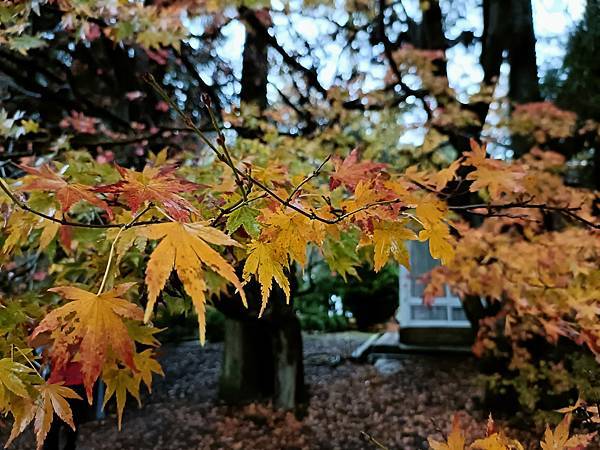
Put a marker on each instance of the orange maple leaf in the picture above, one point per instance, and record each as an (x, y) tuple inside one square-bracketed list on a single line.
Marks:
[(159, 185), (456, 438), (349, 171), (67, 194), (88, 328)]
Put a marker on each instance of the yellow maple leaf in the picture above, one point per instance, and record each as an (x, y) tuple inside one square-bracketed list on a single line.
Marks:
[(444, 176), (389, 240), (496, 180), (185, 248), (52, 400), (267, 262), (94, 325), (477, 155), (440, 241), (120, 381), (364, 202), (496, 441), (430, 211), (456, 438), (559, 438), (11, 373), (23, 411), (292, 232)]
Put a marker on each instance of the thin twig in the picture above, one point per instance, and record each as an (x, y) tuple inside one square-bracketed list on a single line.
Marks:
[(372, 440), (315, 173), (65, 222), (226, 152)]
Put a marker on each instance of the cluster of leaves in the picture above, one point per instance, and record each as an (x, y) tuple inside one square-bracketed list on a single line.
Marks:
[(147, 25), (544, 282), (543, 121), (557, 439)]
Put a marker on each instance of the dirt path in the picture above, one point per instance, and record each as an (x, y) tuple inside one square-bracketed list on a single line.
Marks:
[(399, 410)]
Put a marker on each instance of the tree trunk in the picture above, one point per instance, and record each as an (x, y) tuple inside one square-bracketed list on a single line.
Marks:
[(494, 39), (523, 81), (262, 358)]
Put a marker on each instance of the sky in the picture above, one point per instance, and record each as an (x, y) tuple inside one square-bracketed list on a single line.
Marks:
[(553, 19)]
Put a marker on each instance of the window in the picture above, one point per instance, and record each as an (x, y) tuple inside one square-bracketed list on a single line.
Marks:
[(446, 311)]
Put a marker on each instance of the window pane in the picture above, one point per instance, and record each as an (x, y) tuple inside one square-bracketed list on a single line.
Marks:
[(421, 312), (421, 262), (458, 313)]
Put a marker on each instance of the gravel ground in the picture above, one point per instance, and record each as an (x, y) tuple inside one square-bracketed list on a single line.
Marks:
[(399, 410)]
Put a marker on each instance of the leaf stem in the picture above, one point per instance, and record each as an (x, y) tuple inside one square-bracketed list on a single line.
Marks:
[(28, 361), (113, 246)]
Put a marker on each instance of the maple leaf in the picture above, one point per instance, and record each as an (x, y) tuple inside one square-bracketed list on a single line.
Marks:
[(444, 176), (364, 203), (496, 441), (291, 232), (11, 373), (340, 254), (49, 231), (244, 217), (120, 381), (493, 174), (496, 180), (455, 441), (389, 240), (478, 154), (52, 400), (267, 263), (158, 185), (440, 241), (184, 247), (23, 412), (349, 171), (559, 438), (94, 324), (67, 194), (430, 211)]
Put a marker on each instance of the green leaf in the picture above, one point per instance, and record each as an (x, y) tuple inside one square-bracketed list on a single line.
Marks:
[(24, 43), (341, 256), (10, 376), (244, 217)]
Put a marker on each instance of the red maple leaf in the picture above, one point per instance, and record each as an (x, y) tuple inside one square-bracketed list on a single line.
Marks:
[(67, 194), (154, 184), (349, 171)]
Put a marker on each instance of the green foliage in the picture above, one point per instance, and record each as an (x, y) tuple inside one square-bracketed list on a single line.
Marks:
[(579, 90), (533, 391), (315, 303), (178, 320), (327, 302)]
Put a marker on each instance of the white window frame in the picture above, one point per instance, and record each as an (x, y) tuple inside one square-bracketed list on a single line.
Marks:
[(407, 300)]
